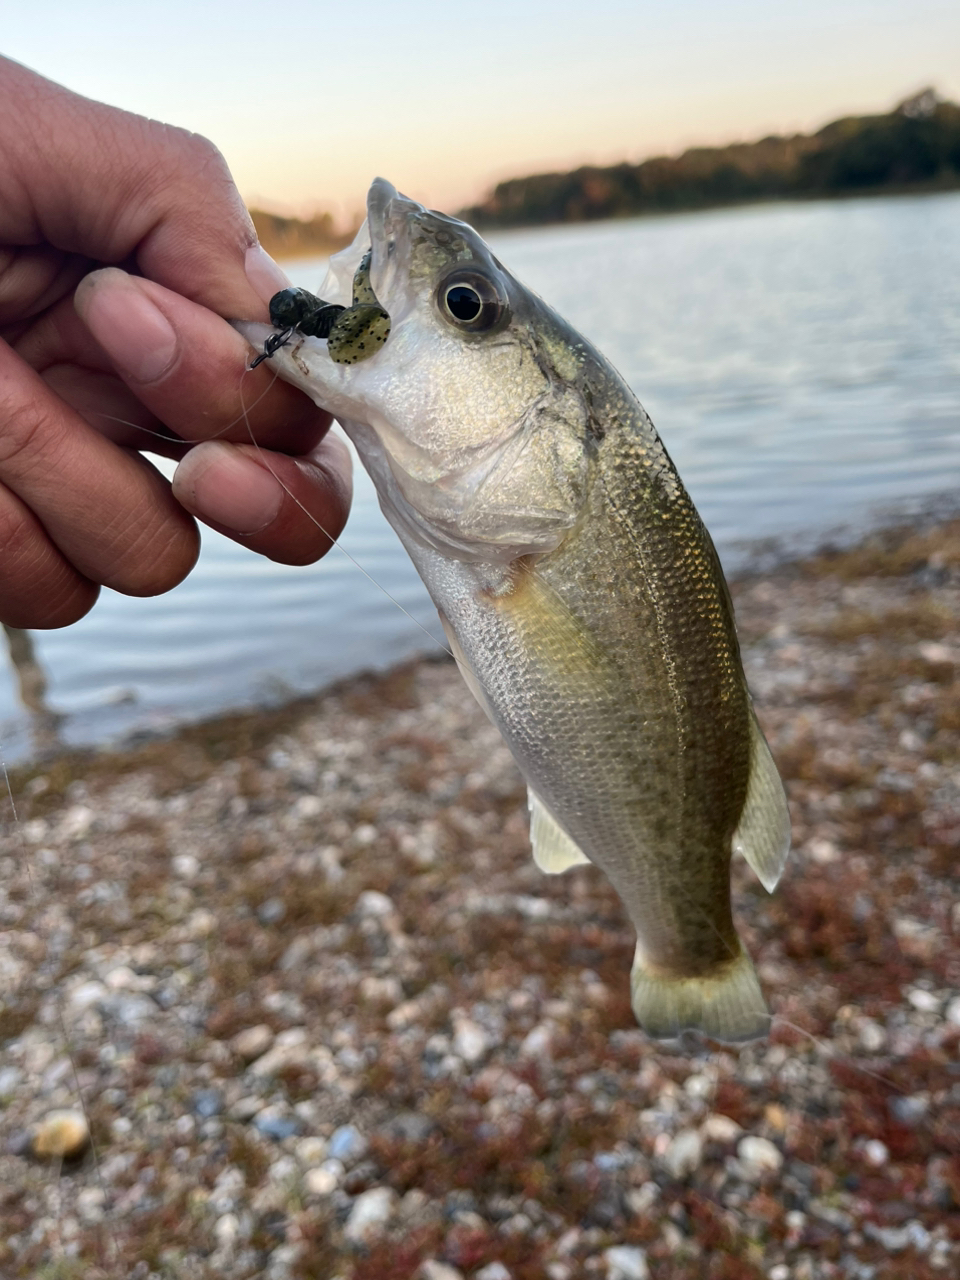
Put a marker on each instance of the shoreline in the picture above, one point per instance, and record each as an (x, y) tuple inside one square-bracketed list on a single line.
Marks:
[(329, 1019)]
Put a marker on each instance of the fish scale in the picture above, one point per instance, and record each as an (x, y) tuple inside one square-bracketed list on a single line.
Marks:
[(581, 594)]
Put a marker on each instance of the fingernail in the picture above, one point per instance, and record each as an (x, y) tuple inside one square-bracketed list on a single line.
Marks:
[(225, 487), (132, 330), (264, 275)]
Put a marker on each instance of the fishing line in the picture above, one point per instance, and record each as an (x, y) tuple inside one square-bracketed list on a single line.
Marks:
[(340, 547)]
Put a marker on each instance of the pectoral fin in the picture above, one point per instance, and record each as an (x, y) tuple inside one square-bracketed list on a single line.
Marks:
[(553, 850), (763, 836)]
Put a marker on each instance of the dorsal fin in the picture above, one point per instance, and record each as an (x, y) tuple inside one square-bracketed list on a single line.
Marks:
[(553, 850), (763, 835)]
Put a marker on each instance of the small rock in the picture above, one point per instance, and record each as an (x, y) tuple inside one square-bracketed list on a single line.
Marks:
[(60, 1134), (876, 1152), (684, 1154), (272, 911), (430, 1269), (641, 1199), (720, 1128), (536, 1043), (923, 1000), (872, 1036), (207, 1103), (372, 903), (252, 1042), (626, 1262), (10, 1077), (347, 1144), (493, 1271), (952, 1014), (909, 1110), (226, 1229), (275, 1124), (759, 1156), (86, 996), (325, 1179), (470, 1041), (370, 1214), (186, 865), (90, 1202), (311, 1151)]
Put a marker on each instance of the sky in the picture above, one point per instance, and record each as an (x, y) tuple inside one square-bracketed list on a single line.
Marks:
[(310, 100)]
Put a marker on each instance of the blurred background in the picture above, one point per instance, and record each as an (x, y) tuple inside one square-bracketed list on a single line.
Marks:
[(752, 210)]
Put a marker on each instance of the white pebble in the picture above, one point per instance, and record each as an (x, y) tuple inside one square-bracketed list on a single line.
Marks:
[(371, 1212), (953, 1011), (684, 1154), (470, 1041), (923, 1000), (625, 1262), (536, 1043), (720, 1128), (321, 1181), (759, 1155), (493, 1271), (186, 865), (251, 1042), (876, 1152), (430, 1269), (372, 903)]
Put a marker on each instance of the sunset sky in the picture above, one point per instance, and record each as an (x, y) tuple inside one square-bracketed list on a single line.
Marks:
[(308, 101)]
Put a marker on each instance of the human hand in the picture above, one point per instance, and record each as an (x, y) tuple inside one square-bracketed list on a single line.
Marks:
[(85, 188)]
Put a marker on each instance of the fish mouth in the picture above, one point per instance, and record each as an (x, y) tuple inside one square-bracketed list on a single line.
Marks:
[(389, 217)]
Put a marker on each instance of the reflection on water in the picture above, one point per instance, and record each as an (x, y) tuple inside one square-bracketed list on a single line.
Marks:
[(32, 688), (802, 363)]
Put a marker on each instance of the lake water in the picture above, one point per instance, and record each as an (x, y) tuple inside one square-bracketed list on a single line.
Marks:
[(801, 362)]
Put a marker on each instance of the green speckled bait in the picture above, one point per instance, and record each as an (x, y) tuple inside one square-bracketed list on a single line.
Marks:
[(353, 333)]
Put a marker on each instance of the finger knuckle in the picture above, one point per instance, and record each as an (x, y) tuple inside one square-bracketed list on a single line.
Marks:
[(26, 432)]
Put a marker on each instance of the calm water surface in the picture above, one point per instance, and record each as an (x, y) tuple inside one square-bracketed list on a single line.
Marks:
[(801, 362)]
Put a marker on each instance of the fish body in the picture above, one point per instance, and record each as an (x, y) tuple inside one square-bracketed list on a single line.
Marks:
[(581, 594)]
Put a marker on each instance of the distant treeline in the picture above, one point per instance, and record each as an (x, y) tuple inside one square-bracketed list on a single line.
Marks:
[(914, 147), (290, 237)]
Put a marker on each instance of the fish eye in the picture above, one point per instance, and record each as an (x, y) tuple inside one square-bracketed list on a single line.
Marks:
[(472, 301)]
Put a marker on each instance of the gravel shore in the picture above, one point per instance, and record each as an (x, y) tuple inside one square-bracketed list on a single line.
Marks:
[(328, 1020)]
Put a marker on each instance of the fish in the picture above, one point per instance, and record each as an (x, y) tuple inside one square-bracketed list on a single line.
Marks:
[(580, 592)]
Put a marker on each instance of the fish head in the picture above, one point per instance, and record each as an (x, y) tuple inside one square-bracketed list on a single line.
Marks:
[(471, 417)]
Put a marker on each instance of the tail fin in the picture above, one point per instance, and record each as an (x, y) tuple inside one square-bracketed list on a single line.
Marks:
[(726, 1005)]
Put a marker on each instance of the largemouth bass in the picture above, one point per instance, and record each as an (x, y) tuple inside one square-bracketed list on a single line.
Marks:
[(580, 592)]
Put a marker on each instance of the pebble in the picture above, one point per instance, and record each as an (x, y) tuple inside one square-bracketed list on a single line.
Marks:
[(371, 1212), (909, 1110), (470, 1041), (537, 1042), (252, 1042), (276, 1124), (325, 1179), (923, 1000), (372, 903), (684, 1154), (759, 1156), (493, 1271), (347, 1144), (625, 1262), (62, 1134), (952, 1014), (876, 1152), (431, 1269), (720, 1128)]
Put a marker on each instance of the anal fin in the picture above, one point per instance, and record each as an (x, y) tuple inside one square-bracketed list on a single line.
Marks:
[(763, 834), (553, 850)]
